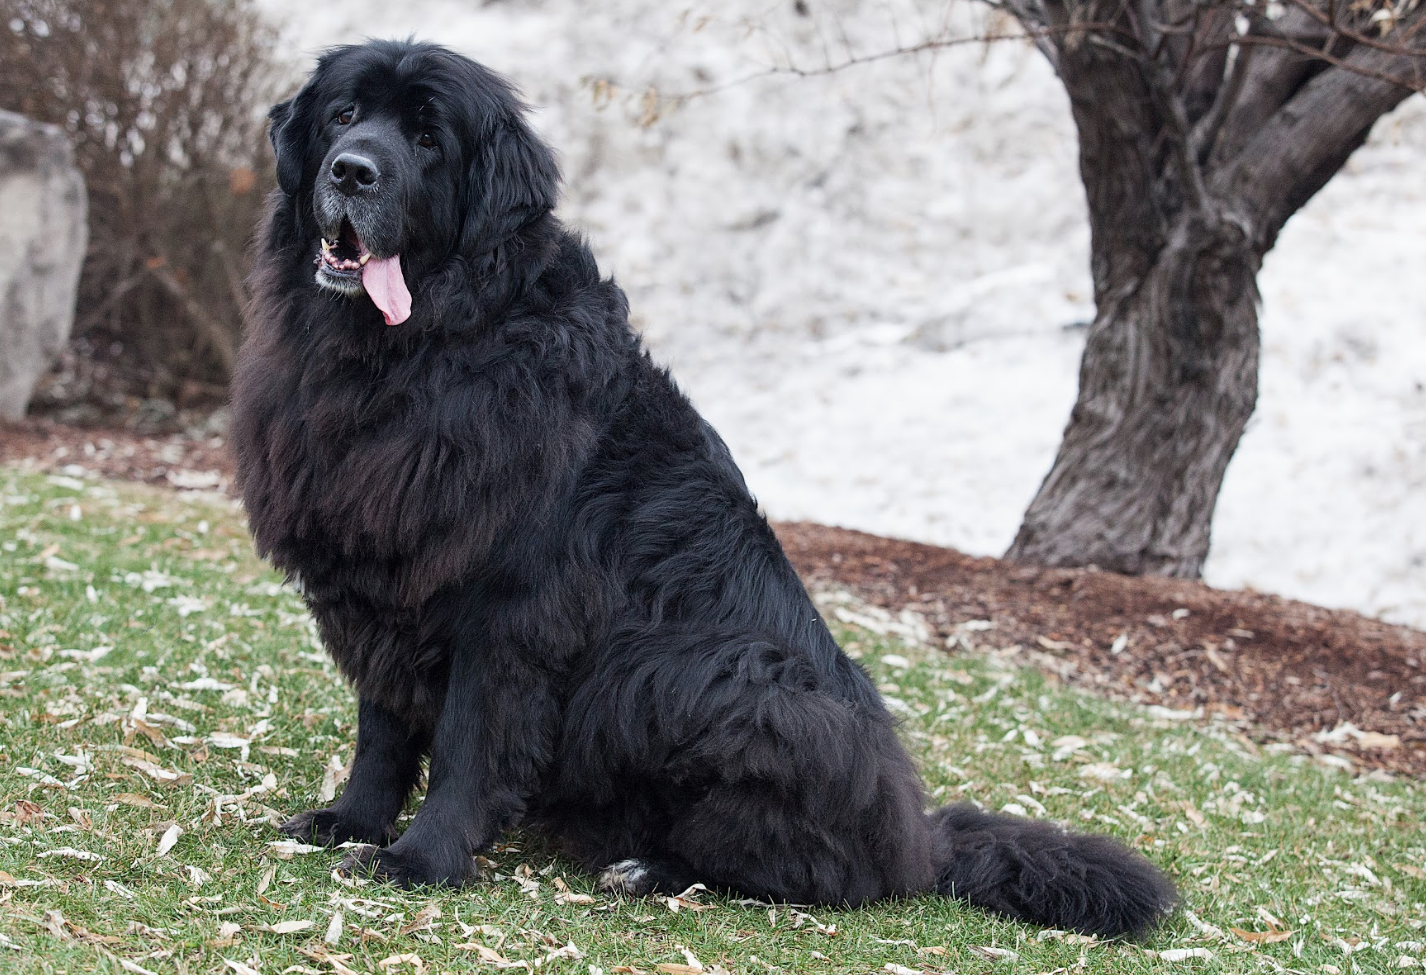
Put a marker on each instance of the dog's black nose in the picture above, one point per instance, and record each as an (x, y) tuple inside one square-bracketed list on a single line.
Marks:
[(354, 173)]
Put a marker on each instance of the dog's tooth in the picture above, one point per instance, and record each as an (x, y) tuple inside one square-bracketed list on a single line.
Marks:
[(364, 258)]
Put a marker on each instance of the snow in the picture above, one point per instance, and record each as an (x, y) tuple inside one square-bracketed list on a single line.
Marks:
[(873, 281)]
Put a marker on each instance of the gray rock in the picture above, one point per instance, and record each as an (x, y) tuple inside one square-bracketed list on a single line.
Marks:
[(43, 233)]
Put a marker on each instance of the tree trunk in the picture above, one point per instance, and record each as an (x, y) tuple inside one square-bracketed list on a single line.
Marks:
[(1167, 383), (1191, 163)]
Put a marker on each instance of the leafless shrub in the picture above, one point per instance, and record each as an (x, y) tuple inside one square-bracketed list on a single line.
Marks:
[(164, 101)]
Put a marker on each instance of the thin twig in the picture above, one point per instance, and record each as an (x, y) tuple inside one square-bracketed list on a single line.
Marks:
[(112, 298), (929, 44), (212, 328), (1356, 37), (1284, 43)]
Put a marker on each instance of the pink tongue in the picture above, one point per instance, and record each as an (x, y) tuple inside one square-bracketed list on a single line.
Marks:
[(381, 276)]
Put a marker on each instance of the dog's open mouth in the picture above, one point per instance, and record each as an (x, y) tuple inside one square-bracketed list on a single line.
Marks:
[(347, 266), (347, 255)]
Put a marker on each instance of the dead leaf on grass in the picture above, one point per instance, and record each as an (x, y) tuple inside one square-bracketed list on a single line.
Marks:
[(1104, 772), (1180, 954), (114, 887), (1262, 937), (169, 838), (333, 775), (158, 773), (425, 918), (70, 853), (1347, 732), (287, 849), (569, 897), (491, 956), (54, 923), (569, 952), (685, 900), (6, 880), (134, 799), (799, 919), (322, 955), (998, 954), (152, 733), (1066, 745), (24, 813)]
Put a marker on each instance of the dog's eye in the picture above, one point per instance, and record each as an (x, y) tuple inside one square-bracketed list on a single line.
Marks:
[(345, 116), (426, 140)]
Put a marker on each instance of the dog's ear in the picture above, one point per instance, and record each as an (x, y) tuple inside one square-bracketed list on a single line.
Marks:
[(513, 179), (288, 131)]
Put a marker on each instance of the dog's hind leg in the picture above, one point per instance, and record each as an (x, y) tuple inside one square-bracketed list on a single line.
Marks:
[(779, 779), (384, 771), (759, 840), (754, 839), (640, 877)]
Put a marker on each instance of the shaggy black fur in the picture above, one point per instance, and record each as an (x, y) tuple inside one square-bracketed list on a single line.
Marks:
[(539, 566)]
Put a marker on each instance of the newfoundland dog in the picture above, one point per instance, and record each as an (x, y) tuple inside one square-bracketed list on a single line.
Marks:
[(540, 567)]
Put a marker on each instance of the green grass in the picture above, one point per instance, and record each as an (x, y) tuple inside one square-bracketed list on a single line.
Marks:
[(153, 675)]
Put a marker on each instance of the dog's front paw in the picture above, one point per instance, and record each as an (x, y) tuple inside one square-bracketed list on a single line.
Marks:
[(406, 868), (329, 827)]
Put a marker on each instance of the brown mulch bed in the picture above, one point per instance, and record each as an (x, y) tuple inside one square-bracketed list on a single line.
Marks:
[(175, 460), (1340, 685), (1283, 670)]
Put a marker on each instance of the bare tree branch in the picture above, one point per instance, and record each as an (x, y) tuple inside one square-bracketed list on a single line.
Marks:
[(1400, 43), (1299, 149), (212, 329), (1205, 133), (1031, 15), (858, 60), (1272, 75), (1409, 76), (1203, 66)]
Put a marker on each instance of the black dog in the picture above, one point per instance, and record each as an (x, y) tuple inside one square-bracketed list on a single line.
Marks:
[(539, 566)]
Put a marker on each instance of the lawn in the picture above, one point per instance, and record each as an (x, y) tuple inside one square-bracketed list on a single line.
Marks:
[(164, 702)]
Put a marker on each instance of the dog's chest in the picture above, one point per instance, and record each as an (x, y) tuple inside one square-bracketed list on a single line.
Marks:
[(336, 465), (398, 658)]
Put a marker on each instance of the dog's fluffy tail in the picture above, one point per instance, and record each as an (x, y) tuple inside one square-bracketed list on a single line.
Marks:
[(1035, 871)]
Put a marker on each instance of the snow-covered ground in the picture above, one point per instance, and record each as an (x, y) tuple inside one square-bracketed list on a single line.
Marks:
[(869, 279)]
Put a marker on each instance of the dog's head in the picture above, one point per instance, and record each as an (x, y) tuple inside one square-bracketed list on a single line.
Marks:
[(396, 157)]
